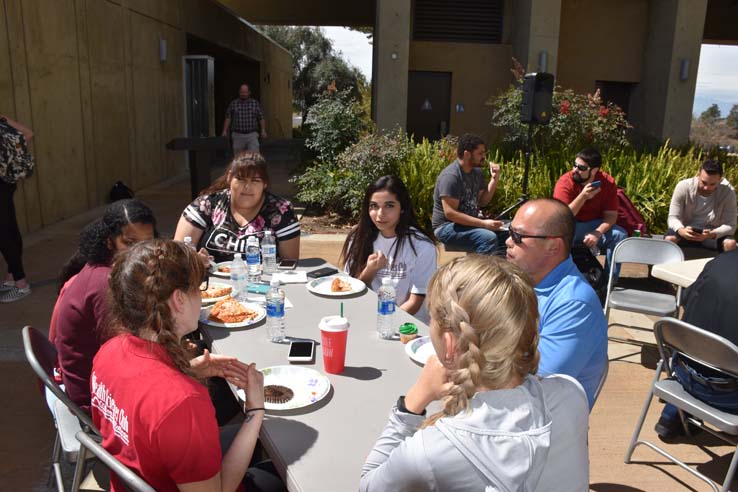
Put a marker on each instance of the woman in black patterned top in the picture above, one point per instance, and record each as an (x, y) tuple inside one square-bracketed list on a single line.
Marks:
[(237, 205)]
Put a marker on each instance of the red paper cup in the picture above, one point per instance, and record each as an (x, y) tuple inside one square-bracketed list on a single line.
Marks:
[(333, 335)]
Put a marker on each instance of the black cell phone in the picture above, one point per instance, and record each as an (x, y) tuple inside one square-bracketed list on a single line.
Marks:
[(698, 230), (301, 351), (287, 264), (596, 184), (322, 272)]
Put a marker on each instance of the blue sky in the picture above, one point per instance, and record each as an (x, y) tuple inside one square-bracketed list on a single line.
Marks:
[(717, 75)]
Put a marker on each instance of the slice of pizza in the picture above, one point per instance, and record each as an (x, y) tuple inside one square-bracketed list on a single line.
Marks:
[(229, 310), (340, 285), (216, 291)]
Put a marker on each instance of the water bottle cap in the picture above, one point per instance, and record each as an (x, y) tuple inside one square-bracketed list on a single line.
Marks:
[(188, 239), (386, 281), (274, 282), (237, 256), (267, 233)]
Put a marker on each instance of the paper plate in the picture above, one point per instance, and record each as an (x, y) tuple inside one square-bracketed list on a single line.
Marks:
[(205, 312), (322, 286), (420, 349), (211, 300), (308, 386), (217, 271)]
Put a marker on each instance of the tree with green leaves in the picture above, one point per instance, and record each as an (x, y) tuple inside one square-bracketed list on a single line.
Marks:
[(732, 118), (316, 65), (711, 114)]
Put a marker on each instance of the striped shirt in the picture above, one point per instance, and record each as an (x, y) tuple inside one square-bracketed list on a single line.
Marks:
[(223, 236)]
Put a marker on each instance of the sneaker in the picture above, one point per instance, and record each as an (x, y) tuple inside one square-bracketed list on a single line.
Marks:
[(14, 294), (6, 286), (669, 429)]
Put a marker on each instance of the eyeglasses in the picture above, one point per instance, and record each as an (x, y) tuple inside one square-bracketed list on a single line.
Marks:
[(518, 238), (205, 283), (581, 167)]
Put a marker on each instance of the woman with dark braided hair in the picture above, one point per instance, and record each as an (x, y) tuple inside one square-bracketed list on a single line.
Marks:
[(78, 321), (501, 427), (148, 400)]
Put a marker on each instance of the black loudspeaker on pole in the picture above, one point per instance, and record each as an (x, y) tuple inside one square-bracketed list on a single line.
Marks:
[(535, 109)]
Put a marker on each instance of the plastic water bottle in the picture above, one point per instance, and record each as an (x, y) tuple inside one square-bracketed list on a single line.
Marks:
[(253, 261), (269, 253), (275, 312), (386, 304), (238, 277), (188, 241)]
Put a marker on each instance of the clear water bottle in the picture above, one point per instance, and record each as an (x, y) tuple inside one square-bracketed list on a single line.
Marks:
[(269, 253), (386, 305), (275, 312), (188, 241), (253, 261), (238, 277)]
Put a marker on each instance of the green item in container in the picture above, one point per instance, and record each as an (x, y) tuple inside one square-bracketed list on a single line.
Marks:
[(408, 329)]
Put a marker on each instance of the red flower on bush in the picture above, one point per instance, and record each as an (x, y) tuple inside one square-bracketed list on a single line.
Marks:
[(604, 111), (564, 108)]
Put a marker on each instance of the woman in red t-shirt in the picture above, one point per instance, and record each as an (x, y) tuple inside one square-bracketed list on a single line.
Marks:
[(148, 399)]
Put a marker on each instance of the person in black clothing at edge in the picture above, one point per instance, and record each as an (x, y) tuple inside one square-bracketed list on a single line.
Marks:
[(711, 304)]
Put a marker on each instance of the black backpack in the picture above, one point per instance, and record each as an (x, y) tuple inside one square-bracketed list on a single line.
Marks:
[(591, 269)]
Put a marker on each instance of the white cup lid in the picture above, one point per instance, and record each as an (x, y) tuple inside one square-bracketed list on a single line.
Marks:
[(334, 323)]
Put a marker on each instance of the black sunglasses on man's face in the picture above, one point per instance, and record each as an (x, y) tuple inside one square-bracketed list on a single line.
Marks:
[(518, 238), (581, 167)]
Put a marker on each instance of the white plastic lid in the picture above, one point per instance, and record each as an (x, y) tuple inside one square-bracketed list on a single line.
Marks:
[(386, 281), (237, 256), (188, 239), (274, 282), (333, 323), (267, 233)]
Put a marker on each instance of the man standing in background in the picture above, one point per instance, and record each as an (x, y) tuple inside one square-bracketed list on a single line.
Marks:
[(246, 120)]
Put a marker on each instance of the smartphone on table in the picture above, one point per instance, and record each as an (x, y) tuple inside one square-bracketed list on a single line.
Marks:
[(322, 272), (287, 264), (301, 351)]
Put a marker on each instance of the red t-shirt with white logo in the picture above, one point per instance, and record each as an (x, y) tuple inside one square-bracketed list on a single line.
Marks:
[(154, 419), (566, 190)]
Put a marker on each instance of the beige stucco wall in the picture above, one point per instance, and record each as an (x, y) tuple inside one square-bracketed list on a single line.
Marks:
[(478, 72), (85, 75), (601, 40)]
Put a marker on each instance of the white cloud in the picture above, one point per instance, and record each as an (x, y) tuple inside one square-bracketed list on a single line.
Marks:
[(717, 77), (354, 46)]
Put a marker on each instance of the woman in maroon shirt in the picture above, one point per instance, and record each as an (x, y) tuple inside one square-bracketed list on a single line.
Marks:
[(80, 314)]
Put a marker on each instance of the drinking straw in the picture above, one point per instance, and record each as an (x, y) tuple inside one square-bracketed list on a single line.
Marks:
[(342, 309)]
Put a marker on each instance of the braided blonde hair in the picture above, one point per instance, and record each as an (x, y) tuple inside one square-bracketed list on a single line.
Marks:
[(141, 282), (490, 306)]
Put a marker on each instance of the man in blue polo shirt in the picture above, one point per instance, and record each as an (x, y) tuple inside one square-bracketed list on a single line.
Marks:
[(572, 327)]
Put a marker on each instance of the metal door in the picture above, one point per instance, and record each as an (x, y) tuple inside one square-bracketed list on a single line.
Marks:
[(199, 98), (428, 104)]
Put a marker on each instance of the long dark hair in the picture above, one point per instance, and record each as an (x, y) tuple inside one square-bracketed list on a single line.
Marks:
[(142, 281), (95, 238), (246, 164), (360, 241)]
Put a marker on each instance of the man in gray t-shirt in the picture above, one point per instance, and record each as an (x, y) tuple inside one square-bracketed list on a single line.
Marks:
[(459, 193)]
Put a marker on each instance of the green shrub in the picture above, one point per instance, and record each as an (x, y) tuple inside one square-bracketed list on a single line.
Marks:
[(333, 123), (340, 186)]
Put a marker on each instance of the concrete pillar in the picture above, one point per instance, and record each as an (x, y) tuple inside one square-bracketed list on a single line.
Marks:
[(662, 101), (535, 36), (391, 53)]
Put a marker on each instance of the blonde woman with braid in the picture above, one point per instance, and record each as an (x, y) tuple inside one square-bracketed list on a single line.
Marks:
[(501, 427), (148, 401)]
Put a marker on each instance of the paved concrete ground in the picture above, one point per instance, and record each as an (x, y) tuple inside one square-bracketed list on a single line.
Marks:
[(28, 432)]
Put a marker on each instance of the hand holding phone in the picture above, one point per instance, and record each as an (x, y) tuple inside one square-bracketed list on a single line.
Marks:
[(301, 351), (596, 184)]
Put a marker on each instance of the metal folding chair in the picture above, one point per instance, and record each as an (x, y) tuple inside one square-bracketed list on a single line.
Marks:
[(646, 252), (68, 417), (131, 481), (601, 384), (705, 348)]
